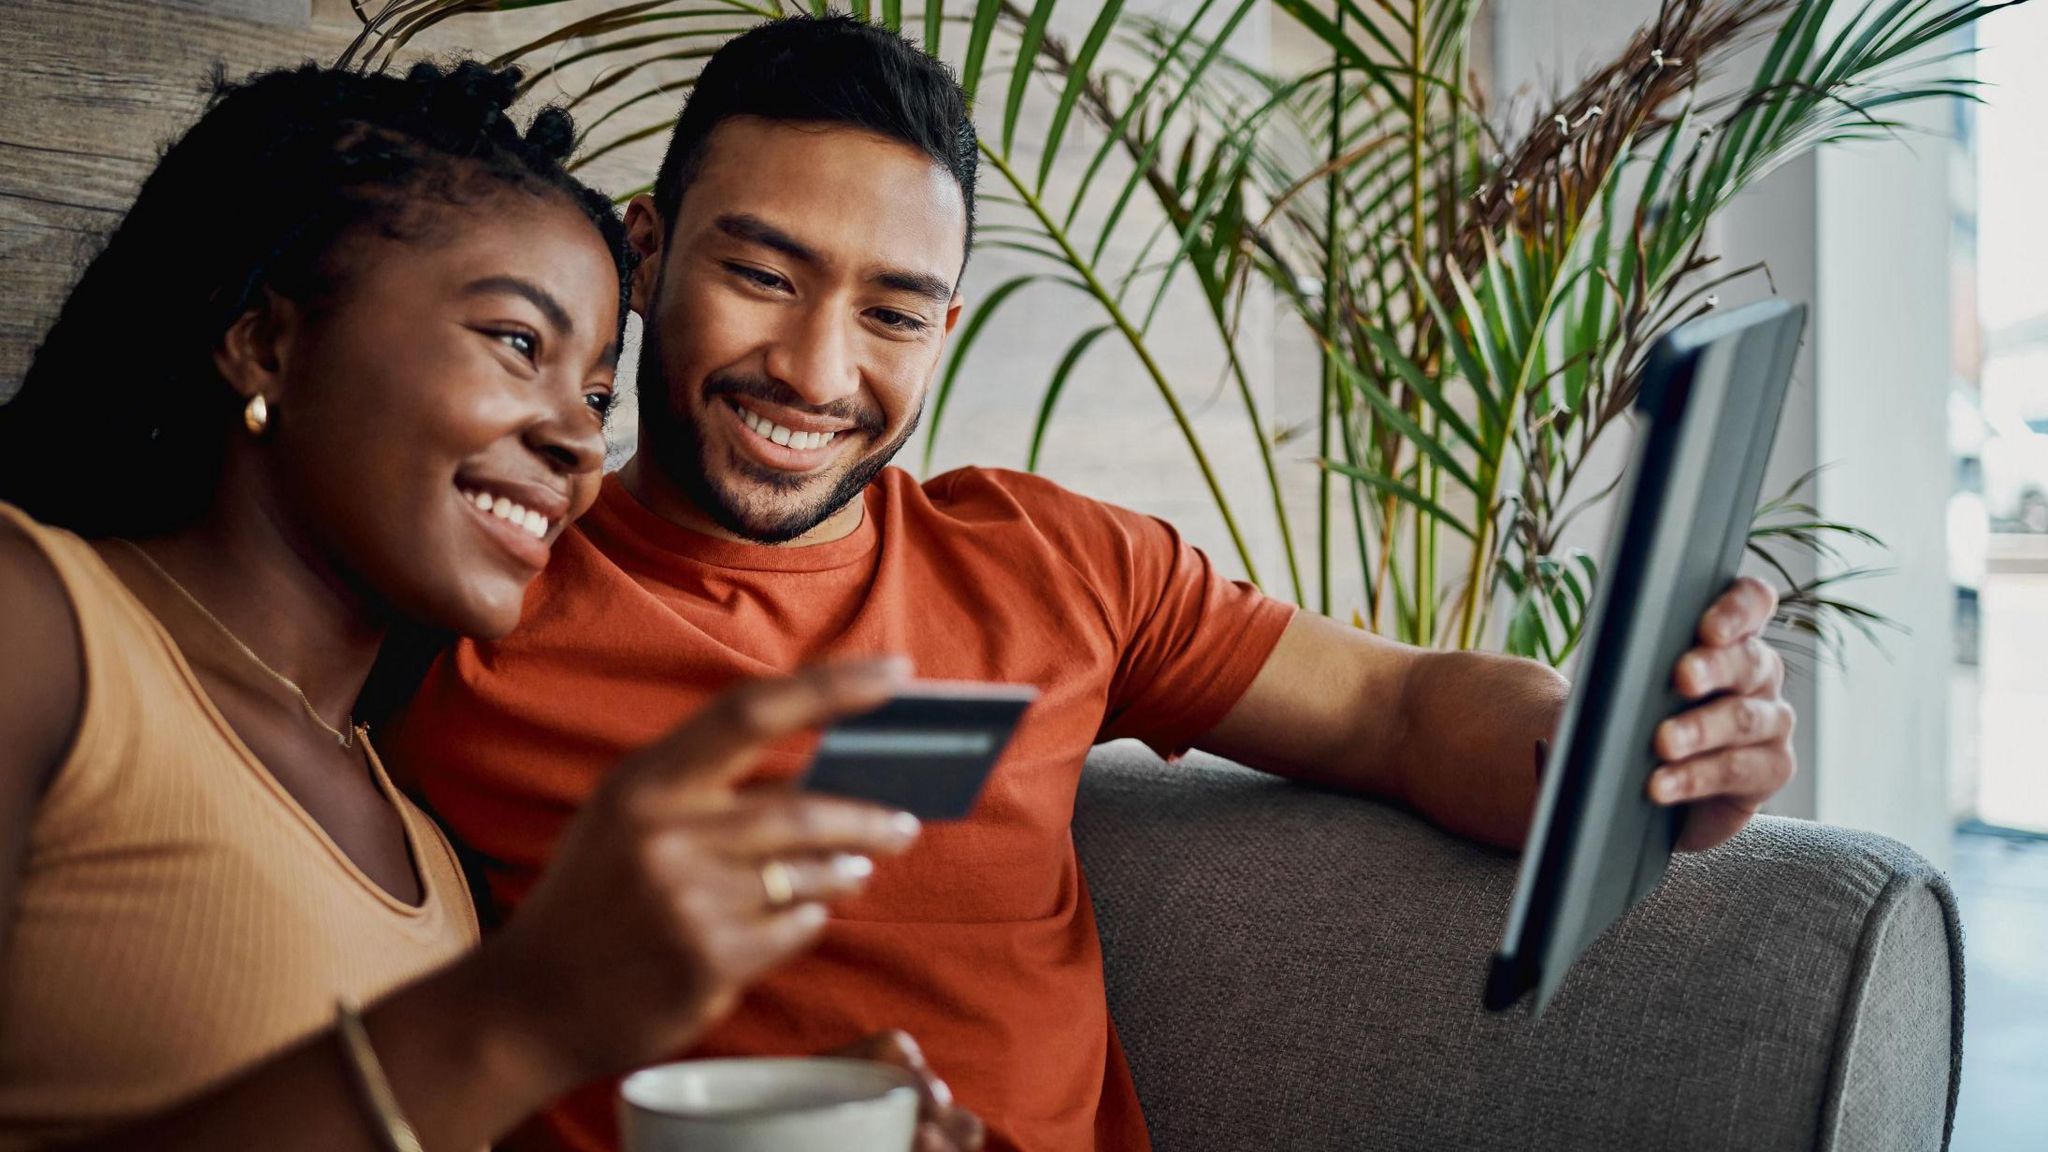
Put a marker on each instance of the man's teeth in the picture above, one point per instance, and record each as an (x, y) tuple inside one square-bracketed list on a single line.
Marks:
[(788, 438), (535, 524)]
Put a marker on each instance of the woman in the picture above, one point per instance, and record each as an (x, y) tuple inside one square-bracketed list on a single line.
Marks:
[(344, 363)]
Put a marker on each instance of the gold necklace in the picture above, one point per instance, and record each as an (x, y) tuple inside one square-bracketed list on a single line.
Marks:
[(345, 739)]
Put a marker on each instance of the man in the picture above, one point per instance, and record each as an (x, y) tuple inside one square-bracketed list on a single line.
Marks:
[(801, 253)]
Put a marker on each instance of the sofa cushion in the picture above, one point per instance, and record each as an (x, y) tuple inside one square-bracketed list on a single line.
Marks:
[(1290, 968)]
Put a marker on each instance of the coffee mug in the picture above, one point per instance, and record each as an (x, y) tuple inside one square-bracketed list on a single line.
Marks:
[(769, 1104)]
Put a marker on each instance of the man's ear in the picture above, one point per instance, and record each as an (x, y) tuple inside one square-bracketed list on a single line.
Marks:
[(253, 352), (953, 312), (646, 233)]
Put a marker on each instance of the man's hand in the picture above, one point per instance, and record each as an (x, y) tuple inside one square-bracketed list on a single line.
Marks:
[(1728, 755), (941, 1127)]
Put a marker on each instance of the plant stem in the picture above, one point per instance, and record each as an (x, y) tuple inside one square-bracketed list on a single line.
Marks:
[(1418, 111), (1107, 299), (1330, 272)]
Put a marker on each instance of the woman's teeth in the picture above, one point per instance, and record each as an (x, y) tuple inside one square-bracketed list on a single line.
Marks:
[(535, 524), (788, 438)]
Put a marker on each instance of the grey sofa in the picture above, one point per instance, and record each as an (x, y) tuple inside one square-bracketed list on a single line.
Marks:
[(1291, 969)]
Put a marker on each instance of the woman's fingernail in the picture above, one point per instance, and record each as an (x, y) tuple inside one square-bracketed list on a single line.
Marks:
[(905, 826), (852, 867)]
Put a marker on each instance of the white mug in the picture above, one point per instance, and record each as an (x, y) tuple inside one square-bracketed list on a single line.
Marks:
[(769, 1104)]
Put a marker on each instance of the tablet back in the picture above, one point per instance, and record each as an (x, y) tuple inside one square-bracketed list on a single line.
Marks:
[(1706, 415)]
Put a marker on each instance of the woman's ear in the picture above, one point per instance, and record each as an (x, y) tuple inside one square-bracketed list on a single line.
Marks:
[(253, 352), (646, 233)]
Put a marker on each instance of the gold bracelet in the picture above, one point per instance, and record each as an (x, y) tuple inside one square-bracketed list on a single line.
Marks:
[(395, 1133)]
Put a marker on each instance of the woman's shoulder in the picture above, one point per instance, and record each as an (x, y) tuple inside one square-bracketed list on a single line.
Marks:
[(42, 680)]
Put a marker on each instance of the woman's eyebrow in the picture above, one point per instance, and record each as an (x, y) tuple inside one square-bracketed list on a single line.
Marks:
[(533, 293)]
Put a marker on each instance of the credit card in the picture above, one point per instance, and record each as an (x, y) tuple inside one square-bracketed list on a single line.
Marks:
[(927, 751)]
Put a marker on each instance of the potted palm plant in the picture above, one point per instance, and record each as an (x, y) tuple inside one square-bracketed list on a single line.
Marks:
[(1482, 290)]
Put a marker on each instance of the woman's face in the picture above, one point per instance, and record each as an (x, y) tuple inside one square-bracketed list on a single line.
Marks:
[(438, 422)]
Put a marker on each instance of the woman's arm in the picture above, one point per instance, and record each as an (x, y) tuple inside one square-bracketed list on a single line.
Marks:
[(652, 921), (42, 688), (454, 1053)]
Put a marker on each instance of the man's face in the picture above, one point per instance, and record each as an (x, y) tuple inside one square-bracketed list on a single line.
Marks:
[(794, 318)]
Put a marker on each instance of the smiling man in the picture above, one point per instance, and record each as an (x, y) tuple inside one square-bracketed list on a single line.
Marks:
[(801, 259)]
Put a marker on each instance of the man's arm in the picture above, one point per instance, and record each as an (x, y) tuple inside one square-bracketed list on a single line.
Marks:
[(1453, 734)]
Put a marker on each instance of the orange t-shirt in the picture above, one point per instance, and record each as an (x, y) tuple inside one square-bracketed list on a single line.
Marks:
[(981, 941)]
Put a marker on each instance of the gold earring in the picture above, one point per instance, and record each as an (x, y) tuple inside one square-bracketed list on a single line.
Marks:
[(256, 416)]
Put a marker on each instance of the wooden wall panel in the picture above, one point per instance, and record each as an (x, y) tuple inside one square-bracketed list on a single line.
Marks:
[(93, 90)]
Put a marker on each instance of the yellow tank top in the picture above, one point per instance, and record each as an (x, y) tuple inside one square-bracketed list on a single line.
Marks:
[(178, 915)]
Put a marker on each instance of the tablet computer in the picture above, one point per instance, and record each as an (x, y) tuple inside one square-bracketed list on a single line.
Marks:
[(1705, 418)]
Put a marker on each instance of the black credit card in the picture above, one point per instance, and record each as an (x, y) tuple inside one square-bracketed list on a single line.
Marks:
[(927, 751)]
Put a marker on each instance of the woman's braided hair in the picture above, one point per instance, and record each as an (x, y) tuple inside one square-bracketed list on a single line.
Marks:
[(122, 422)]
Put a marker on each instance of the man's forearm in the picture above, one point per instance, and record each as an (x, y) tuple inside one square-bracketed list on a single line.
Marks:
[(1452, 734), (1466, 753)]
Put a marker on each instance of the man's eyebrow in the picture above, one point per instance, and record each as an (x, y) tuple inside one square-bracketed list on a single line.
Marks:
[(754, 230), (933, 288), (527, 290)]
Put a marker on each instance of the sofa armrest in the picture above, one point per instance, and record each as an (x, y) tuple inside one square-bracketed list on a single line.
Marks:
[(1290, 969)]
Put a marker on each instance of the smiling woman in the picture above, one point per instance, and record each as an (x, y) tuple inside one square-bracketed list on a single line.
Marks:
[(344, 365)]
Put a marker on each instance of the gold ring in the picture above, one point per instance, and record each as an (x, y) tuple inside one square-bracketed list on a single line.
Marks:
[(778, 880)]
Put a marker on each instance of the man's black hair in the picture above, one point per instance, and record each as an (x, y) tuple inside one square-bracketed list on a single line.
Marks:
[(825, 70), (121, 425)]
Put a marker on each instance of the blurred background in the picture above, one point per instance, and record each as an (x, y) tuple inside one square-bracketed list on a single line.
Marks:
[(1921, 397)]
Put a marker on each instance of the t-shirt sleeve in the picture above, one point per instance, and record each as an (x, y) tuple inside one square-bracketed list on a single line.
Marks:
[(1191, 640)]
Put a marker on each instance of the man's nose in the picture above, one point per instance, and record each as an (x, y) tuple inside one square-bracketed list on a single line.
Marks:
[(814, 356)]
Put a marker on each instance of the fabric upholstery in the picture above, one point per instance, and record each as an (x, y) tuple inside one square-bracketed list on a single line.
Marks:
[(1294, 969)]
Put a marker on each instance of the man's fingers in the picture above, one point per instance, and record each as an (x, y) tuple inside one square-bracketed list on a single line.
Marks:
[(721, 741), (1747, 666), (1727, 722), (941, 1127), (1742, 611), (763, 825), (1749, 775)]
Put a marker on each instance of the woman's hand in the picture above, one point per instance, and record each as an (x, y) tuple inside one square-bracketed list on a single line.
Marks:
[(672, 891), (941, 1125)]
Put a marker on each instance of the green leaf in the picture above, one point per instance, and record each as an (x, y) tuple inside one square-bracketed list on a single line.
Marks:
[(1136, 103), (985, 13), (1407, 494), (1077, 81), (1391, 414), (975, 323), (1020, 76), (1145, 158), (1419, 381), (1057, 385)]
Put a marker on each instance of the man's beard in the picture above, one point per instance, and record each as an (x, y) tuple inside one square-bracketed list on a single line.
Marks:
[(672, 435)]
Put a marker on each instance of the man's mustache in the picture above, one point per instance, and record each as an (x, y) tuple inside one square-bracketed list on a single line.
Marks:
[(864, 418)]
